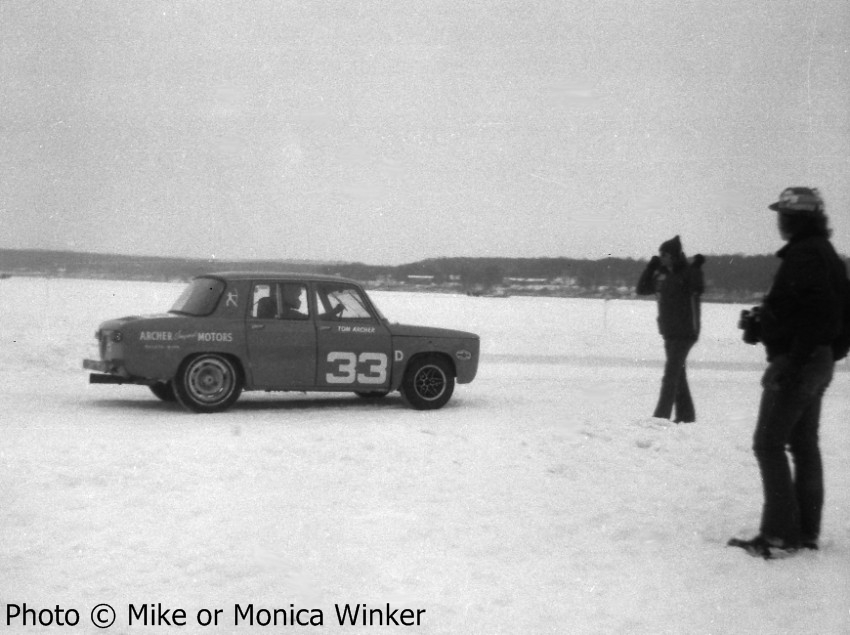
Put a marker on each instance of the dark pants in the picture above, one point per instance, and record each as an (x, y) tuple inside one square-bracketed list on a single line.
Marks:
[(789, 417), (674, 384)]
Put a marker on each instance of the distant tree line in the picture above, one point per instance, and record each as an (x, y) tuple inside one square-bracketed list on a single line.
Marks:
[(727, 276)]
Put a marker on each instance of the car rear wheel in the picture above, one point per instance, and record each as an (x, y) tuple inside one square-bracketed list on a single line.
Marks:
[(208, 383), (164, 390), (428, 383)]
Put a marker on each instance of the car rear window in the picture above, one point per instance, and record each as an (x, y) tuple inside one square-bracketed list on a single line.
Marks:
[(200, 297)]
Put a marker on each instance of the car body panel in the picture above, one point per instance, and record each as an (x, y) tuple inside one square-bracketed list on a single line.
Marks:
[(355, 356), (281, 353), (460, 347)]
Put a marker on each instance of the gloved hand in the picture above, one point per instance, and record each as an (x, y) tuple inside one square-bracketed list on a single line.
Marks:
[(699, 260), (781, 374), (654, 263)]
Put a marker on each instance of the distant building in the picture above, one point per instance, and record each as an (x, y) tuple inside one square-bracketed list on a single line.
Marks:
[(420, 279)]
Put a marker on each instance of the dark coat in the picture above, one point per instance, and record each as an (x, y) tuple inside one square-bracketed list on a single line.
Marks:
[(678, 292), (802, 310)]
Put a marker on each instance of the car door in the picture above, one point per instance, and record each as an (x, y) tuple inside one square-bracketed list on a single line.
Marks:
[(354, 346), (281, 338)]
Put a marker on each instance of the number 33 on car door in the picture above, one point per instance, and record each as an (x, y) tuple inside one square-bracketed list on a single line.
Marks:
[(349, 368)]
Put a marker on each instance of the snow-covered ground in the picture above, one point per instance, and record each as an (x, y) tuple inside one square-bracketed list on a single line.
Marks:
[(542, 499)]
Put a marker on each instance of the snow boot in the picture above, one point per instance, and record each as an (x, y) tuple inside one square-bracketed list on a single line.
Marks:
[(762, 547)]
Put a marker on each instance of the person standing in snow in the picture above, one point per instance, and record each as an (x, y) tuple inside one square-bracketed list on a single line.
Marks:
[(678, 286), (800, 318)]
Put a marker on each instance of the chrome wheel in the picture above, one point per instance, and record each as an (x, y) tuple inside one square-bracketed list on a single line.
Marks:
[(208, 383), (428, 383)]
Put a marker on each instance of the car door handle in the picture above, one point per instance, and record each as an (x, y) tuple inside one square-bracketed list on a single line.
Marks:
[(257, 327), (324, 328)]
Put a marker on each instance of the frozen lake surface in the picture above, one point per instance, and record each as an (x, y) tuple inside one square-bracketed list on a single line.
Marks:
[(542, 499)]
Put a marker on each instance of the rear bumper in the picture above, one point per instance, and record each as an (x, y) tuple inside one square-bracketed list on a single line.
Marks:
[(109, 373)]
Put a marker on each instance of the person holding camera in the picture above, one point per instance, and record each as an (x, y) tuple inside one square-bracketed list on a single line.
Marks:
[(799, 320), (678, 286)]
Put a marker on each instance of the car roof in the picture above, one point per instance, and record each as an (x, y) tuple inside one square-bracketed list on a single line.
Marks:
[(287, 275)]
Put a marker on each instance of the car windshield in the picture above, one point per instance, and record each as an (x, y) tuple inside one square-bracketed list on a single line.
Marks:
[(199, 298)]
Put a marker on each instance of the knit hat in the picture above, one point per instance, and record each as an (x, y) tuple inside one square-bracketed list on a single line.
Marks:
[(799, 200), (672, 247)]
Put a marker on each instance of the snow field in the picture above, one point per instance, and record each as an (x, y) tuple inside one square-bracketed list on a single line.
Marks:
[(542, 499)]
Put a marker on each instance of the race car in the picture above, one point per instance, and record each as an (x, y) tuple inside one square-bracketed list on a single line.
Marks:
[(229, 332)]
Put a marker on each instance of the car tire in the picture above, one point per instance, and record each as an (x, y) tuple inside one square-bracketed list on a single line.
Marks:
[(208, 383), (428, 383), (163, 390)]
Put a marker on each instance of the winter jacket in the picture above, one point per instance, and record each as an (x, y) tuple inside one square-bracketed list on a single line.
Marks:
[(802, 310), (678, 292)]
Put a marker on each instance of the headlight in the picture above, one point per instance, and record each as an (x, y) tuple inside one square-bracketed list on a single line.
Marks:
[(117, 336)]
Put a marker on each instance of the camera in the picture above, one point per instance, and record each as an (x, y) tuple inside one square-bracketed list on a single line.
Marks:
[(750, 324)]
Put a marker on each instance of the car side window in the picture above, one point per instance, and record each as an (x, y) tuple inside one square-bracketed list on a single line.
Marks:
[(279, 301), (336, 302)]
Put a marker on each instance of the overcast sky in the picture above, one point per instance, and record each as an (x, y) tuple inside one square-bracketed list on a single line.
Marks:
[(387, 132)]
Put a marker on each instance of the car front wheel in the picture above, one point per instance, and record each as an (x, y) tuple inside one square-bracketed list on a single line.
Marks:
[(207, 383), (428, 383)]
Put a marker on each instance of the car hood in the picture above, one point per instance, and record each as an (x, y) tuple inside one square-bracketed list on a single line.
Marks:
[(408, 330)]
